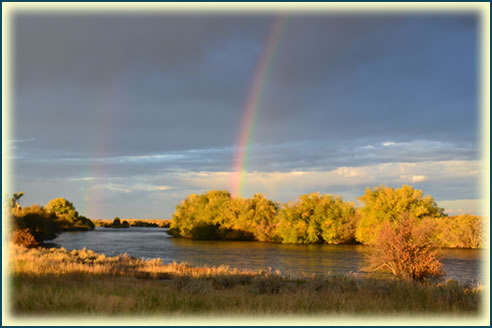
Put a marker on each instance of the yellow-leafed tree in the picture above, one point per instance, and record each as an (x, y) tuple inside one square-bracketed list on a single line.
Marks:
[(385, 204)]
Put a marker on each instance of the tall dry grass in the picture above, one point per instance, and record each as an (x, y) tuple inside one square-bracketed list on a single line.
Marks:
[(59, 261), (57, 281)]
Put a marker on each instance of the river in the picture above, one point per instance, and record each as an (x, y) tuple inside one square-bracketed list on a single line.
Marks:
[(460, 264)]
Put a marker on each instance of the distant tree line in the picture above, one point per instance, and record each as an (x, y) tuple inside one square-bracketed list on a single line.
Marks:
[(317, 218), (117, 223), (32, 225), (146, 223)]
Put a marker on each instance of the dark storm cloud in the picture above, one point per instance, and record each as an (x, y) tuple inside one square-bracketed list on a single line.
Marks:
[(140, 84), (401, 78), (104, 103)]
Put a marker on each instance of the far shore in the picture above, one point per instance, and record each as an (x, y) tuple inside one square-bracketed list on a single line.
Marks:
[(133, 222)]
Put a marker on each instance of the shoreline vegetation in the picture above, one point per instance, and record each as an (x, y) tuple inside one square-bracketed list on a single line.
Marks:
[(311, 219), (320, 218), (57, 281)]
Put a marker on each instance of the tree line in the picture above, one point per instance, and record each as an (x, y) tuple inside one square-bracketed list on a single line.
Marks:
[(313, 218), (318, 218)]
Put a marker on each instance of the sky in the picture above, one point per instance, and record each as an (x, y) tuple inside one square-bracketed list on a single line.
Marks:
[(127, 114)]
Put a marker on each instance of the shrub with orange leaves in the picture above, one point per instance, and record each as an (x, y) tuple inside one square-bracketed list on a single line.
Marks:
[(24, 238), (406, 250)]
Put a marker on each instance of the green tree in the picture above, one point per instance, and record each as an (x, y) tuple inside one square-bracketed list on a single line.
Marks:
[(385, 204), (69, 218), (317, 218), (200, 212), (61, 206), (338, 220), (216, 215), (297, 224), (261, 217), (250, 219)]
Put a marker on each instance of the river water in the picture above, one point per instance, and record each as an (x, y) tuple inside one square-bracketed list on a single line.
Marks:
[(460, 264)]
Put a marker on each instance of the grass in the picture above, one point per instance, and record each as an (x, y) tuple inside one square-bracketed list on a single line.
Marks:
[(57, 281)]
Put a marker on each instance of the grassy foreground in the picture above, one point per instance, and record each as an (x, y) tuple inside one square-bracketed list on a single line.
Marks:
[(57, 281)]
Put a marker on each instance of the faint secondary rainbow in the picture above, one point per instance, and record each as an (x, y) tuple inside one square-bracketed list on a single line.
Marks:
[(98, 169), (252, 105)]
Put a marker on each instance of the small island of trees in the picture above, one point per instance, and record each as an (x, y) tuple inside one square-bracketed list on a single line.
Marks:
[(317, 218)]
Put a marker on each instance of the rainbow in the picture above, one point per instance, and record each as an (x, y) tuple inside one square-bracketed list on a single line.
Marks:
[(92, 200), (251, 107)]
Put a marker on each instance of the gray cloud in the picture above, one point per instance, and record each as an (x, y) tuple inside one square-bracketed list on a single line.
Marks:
[(159, 83), (313, 155), (120, 104), (96, 195)]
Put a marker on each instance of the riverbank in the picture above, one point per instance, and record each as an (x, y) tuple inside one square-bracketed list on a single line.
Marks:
[(57, 281)]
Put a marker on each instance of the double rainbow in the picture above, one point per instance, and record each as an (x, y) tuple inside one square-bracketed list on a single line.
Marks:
[(250, 111), (252, 106)]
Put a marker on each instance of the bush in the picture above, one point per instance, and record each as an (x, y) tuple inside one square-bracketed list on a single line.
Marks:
[(85, 223), (24, 238), (406, 250), (40, 223), (464, 231), (69, 223)]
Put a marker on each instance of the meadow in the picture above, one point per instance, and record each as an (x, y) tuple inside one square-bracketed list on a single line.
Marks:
[(57, 281)]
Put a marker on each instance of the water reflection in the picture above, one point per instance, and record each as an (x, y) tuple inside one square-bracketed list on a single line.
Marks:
[(460, 264)]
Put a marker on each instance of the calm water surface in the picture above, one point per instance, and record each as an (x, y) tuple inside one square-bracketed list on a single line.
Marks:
[(460, 264)]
